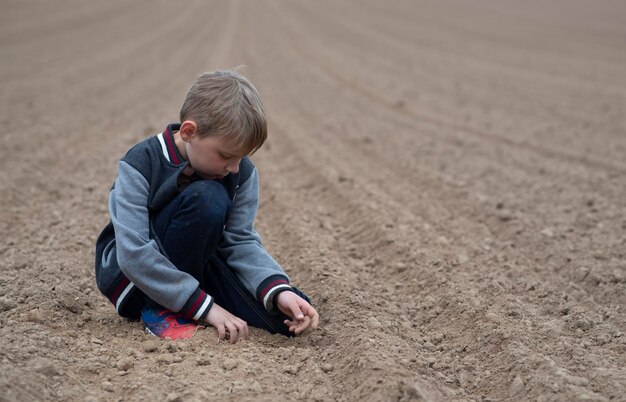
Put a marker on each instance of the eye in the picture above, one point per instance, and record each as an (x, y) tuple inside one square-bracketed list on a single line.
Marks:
[(225, 157)]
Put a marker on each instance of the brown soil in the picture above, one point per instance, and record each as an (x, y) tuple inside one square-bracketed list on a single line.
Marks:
[(447, 181)]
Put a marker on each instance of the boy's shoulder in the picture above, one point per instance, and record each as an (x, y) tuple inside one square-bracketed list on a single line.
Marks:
[(142, 155), (246, 167), (149, 147)]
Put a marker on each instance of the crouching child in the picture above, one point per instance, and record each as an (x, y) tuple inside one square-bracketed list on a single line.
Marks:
[(181, 247)]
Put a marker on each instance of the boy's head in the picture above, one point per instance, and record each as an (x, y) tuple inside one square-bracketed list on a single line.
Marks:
[(222, 120), (225, 103)]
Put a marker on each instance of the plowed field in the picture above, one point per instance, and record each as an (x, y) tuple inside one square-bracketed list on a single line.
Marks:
[(446, 179)]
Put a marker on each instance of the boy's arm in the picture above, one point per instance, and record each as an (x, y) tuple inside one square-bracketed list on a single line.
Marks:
[(241, 247), (139, 256)]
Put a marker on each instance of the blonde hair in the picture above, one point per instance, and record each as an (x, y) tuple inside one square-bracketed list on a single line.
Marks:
[(226, 103)]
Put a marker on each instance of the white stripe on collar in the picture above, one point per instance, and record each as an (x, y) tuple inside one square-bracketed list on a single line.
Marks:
[(162, 141)]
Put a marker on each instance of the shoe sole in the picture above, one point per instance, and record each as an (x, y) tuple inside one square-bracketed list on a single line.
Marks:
[(148, 332)]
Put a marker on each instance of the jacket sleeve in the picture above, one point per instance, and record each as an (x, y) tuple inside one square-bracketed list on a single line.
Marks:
[(242, 249), (139, 256)]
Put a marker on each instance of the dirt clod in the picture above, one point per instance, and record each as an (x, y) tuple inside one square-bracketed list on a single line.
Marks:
[(327, 367), (46, 367), (35, 315), (150, 347), (517, 386), (229, 364), (125, 363)]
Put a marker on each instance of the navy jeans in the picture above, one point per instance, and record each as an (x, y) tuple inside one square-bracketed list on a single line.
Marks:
[(190, 227)]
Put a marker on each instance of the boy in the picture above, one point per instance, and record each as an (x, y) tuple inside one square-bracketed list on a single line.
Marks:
[(181, 246)]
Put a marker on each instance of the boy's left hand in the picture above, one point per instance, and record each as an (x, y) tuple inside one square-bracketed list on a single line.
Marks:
[(302, 313)]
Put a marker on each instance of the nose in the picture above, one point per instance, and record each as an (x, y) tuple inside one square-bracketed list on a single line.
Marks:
[(233, 167)]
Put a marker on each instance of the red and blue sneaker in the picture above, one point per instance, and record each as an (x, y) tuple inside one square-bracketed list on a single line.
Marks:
[(163, 323)]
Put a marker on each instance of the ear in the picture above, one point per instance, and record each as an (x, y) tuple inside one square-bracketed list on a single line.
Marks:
[(188, 129)]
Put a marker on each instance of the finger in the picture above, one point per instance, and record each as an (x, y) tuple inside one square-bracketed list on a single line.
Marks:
[(221, 332), (232, 330), (310, 312), (241, 328), (246, 332), (291, 324), (315, 318), (295, 311), (302, 325)]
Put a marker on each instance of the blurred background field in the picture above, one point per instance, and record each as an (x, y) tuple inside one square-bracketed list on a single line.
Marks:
[(446, 179)]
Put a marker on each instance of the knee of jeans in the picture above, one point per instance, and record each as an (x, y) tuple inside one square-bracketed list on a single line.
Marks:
[(209, 201)]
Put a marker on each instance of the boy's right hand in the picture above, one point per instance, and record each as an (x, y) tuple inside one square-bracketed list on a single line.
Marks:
[(222, 320)]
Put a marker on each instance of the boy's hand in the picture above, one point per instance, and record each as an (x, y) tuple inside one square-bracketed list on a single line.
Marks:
[(302, 313), (222, 320)]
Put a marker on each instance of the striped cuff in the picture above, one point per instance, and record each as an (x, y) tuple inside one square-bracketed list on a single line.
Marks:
[(197, 306), (269, 288)]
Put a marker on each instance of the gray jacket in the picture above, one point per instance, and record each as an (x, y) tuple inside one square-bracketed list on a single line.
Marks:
[(130, 261)]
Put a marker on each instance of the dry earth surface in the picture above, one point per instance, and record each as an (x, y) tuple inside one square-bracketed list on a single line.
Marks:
[(446, 179)]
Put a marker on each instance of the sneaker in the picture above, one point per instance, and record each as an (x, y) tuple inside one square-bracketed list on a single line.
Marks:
[(165, 324)]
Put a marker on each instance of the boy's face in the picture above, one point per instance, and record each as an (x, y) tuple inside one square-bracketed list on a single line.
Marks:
[(212, 157)]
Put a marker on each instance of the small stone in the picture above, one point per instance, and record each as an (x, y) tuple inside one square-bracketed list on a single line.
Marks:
[(465, 379), (517, 386), (437, 338), (255, 386), (462, 258), (45, 367), (504, 215), (96, 341), (107, 386), (229, 364), (618, 275), (165, 359), (125, 363), (548, 232), (373, 322), (491, 316), (34, 315), (410, 392), (174, 397), (582, 273), (290, 370), (401, 266), (6, 304), (572, 379), (603, 339), (203, 359), (327, 367), (429, 346), (150, 347)]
